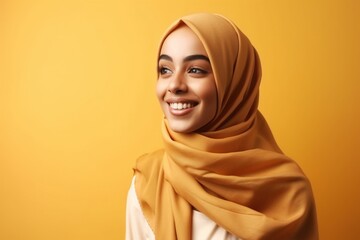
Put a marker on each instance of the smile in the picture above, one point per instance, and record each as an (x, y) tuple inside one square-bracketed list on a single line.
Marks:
[(181, 106)]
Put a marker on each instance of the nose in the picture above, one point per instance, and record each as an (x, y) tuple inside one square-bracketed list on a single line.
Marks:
[(177, 84)]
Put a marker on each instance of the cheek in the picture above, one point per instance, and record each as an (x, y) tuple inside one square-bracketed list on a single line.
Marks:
[(210, 96), (208, 92), (160, 90)]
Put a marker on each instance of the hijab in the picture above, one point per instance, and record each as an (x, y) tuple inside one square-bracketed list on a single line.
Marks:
[(232, 171)]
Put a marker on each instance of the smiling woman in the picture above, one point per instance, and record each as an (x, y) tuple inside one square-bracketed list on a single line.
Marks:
[(186, 86), (221, 174)]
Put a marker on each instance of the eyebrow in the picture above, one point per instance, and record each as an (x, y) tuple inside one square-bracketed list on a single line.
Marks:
[(186, 59)]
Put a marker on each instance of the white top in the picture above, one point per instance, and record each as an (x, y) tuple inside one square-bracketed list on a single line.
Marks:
[(137, 228)]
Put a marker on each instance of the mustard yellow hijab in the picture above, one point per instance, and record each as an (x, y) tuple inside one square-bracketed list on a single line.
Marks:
[(233, 171)]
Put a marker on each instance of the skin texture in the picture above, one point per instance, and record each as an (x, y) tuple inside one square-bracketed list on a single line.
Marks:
[(186, 86)]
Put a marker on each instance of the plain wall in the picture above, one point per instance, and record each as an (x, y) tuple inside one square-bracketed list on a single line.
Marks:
[(78, 106)]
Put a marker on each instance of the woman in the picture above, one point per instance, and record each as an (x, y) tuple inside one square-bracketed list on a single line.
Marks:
[(221, 174)]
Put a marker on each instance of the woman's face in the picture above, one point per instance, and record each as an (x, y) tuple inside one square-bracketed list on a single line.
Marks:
[(186, 86)]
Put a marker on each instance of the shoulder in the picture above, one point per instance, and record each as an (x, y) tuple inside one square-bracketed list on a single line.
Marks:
[(149, 162), (152, 155), (136, 225), (132, 201)]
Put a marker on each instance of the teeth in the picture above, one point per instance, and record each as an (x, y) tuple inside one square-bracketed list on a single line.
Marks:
[(180, 106)]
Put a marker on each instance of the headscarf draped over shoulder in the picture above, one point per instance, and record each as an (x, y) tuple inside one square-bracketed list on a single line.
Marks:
[(232, 171)]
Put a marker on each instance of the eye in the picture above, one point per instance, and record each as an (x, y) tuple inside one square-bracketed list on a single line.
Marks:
[(197, 71), (164, 70)]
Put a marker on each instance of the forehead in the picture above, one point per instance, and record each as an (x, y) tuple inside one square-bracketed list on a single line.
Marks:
[(182, 42)]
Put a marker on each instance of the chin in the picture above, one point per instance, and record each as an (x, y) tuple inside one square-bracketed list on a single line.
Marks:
[(180, 128)]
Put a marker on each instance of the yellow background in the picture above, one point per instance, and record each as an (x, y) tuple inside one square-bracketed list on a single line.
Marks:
[(77, 105)]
